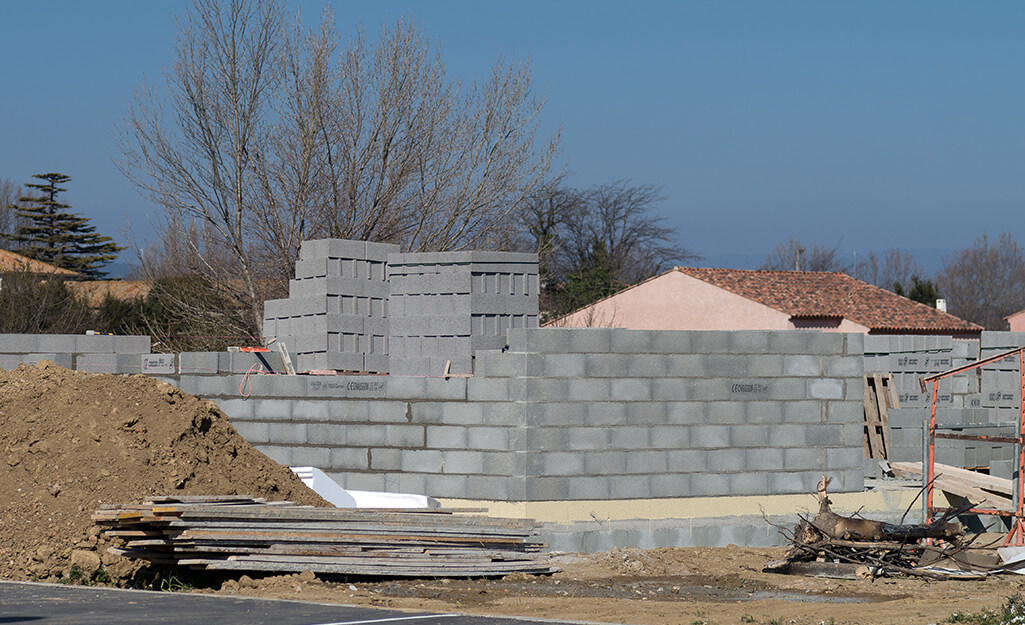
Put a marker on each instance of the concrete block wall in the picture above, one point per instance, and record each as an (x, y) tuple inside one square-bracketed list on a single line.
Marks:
[(578, 414), (85, 352), (446, 306), (336, 313)]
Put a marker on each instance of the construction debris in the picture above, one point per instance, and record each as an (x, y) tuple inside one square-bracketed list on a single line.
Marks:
[(244, 534), (989, 490), (833, 545)]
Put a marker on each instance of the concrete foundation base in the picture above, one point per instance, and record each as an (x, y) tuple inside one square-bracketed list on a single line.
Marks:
[(591, 526)]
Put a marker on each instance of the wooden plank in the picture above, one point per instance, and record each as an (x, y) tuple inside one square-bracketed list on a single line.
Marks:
[(998, 485), (872, 442), (240, 534), (369, 528), (306, 513), (892, 396), (951, 480), (884, 420), (426, 571)]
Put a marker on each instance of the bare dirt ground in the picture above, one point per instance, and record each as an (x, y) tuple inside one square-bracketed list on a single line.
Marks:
[(70, 442), (686, 586)]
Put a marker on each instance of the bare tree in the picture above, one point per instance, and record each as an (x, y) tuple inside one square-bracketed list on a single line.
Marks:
[(198, 164), (9, 194), (894, 271), (274, 135), (985, 282), (621, 218), (544, 220), (794, 255), (413, 159), (591, 243)]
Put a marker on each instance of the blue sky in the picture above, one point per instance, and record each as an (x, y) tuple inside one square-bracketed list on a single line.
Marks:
[(870, 124)]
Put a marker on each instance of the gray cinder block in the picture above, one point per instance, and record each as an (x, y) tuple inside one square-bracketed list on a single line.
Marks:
[(457, 486), (604, 365), (749, 483), (496, 438), (256, 432), (802, 366), (711, 485), (19, 343), (766, 459), (96, 363), (726, 412), (349, 459), (825, 388), (422, 461), (631, 389), (688, 460), (633, 341), (647, 366), (726, 460), (311, 456), (287, 433), (446, 437), (790, 435), (749, 342), (332, 434), (630, 437), (803, 459), (629, 487), (647, 462)]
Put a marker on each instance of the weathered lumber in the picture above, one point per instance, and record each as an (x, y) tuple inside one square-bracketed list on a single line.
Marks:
[(240, 534), (985, 490)]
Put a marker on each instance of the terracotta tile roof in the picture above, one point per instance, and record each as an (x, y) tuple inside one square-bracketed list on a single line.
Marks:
[(10, 261), (94, 291), (805, 294)]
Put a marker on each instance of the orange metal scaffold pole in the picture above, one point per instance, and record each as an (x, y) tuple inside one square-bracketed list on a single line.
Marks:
[(1016, 535)]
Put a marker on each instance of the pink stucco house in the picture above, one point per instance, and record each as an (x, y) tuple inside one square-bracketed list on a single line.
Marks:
[(1016, 321), (692, 298)]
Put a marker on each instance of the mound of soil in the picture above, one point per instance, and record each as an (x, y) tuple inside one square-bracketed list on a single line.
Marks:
[(70, 441)]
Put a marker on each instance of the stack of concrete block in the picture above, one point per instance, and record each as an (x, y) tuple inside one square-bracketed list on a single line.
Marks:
[(336, 314), (86, 352), (444, 307), (910, 358), (988, 395), (1000, 383), (906, 436)]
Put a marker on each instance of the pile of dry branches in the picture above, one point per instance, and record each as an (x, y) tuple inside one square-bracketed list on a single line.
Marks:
[(833, 545)]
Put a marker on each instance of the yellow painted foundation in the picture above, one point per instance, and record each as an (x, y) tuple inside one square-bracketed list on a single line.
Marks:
[(565, 512)]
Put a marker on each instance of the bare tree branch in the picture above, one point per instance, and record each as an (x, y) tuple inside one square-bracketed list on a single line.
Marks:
[(986, 282)]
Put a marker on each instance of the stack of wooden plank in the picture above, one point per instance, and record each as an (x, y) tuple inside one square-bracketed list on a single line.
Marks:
[(243, 534)]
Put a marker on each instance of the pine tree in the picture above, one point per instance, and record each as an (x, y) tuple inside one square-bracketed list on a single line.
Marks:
[(52, 234)]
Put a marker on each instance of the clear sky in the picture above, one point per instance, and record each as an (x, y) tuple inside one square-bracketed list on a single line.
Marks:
[(872, 124)]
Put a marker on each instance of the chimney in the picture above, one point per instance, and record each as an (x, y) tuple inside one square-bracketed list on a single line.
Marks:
[(941, 305)]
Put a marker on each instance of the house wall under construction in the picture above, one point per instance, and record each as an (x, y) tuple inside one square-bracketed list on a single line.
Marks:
[(623, 437)]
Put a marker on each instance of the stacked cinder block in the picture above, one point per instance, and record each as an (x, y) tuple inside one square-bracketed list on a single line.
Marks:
[(989, 395), (336, 314), (443, 307), (85, 352)]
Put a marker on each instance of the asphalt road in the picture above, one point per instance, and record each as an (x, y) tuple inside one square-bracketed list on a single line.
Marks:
[(51, 604)]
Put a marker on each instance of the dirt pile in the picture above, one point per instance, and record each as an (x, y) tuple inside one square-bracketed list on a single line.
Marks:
[(70, 441)]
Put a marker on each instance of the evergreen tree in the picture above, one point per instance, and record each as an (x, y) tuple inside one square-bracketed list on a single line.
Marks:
[(922, 291), (594, 279), (52, 234)]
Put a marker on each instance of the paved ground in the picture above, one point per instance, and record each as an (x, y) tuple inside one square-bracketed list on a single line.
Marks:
[(48, 604)]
